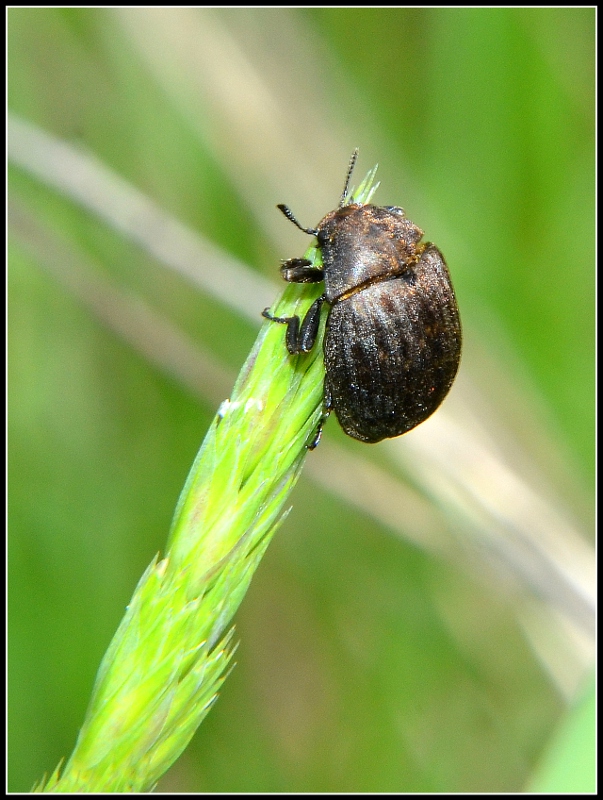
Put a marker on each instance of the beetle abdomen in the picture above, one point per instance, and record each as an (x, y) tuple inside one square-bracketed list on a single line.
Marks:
[(392, 350)]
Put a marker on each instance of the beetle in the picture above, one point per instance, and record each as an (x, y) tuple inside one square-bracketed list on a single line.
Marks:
[(392, 341)]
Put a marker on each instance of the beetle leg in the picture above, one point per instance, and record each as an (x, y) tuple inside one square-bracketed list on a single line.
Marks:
[(318, 435), (309, 327), (292, 333), (328, 400), (300, 270), (326, 410), (300, 339)]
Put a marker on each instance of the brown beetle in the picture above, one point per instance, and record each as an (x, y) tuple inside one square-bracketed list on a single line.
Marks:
[(393, 335)]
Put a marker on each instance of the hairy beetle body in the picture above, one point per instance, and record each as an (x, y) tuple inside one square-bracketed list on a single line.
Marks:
[(393, 336)]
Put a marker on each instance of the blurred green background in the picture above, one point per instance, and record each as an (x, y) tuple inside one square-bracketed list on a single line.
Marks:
[(369, 660)]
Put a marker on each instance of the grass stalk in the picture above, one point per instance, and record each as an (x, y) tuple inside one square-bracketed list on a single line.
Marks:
[(171, 653)]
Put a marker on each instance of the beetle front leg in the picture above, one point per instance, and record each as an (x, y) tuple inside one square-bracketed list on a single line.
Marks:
[(301, 270)]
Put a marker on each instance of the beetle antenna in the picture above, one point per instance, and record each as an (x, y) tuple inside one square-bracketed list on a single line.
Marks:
[(348, 177), (289, 214)]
